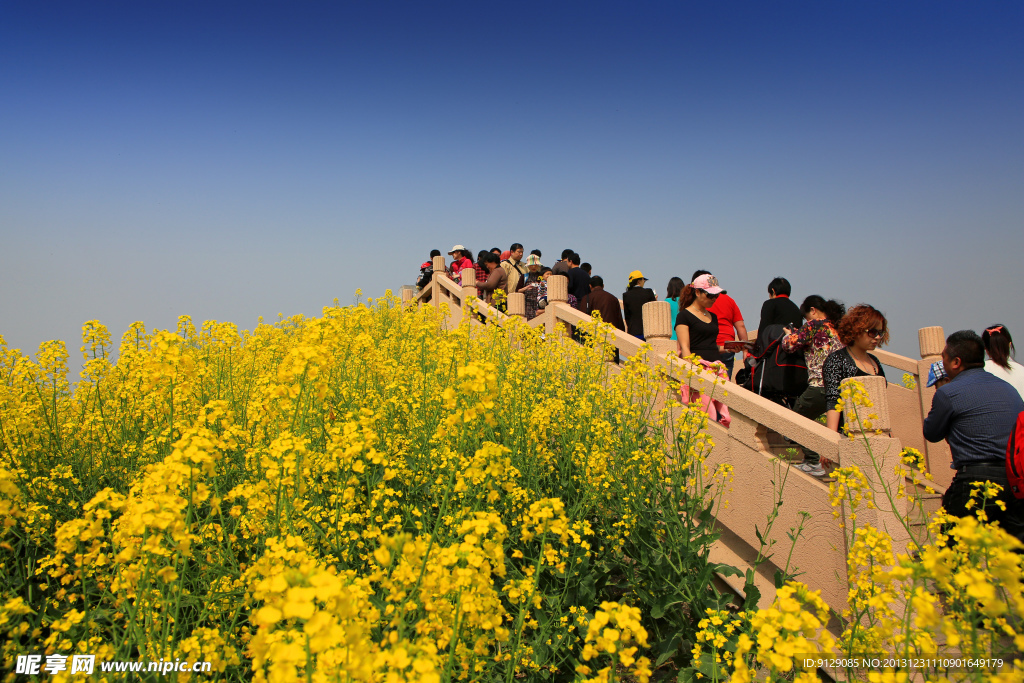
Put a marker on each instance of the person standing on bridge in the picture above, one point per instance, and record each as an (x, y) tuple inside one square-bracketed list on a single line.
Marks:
[(481, 267), (672, 292), (696, 325), (604, 304), (697, 334), (496, 278), (513, 266), (999, 347), (579, 281), (729, 319), (530, 285), (461, 258), (533, 272), (975, 413), (817, 339), (427, 270), (778, 309), (538, 254), (562, 266), (633, 300), (861, 330)]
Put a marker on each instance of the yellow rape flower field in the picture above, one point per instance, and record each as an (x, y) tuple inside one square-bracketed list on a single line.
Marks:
[(359, 496), (365, 496)]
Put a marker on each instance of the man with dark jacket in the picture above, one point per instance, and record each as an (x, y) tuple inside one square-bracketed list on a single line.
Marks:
[(778, 309), (427, 270), (600, 301), (579, 281), (975, 413)]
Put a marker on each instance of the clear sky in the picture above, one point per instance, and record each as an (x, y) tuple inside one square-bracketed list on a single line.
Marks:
[(231, 160)]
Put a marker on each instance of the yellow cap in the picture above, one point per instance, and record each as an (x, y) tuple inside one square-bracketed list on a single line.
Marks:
[(636, 275)]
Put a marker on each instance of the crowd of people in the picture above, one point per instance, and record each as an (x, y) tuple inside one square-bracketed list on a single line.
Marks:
[(508, 271), (980, 386)]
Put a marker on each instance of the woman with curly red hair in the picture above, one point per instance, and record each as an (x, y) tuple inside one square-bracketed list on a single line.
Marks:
[(862, 329)]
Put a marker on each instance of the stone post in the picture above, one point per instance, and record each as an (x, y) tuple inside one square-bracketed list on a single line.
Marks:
[(558, 295), (877, 456), (932, 340), (435, 288), (657, 316), (879, 410), (468, 277), (408, 294), (517, 304)]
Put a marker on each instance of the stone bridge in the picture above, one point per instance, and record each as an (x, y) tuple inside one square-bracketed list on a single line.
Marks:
[(761, 439)]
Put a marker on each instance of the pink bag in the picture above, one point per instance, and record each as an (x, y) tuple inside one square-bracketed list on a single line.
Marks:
[(716, 410)]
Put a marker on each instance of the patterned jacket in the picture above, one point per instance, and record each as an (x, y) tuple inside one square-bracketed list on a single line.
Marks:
[(817, 339)]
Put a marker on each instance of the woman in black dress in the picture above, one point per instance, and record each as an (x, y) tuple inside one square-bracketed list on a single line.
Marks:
[(863, 329), (697, 334), (696, 326)]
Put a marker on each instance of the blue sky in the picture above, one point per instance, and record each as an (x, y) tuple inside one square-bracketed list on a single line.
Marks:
[(232, 160)]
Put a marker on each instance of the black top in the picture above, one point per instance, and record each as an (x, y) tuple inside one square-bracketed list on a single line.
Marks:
[(838, 366), (779, 311), (633, 300), (579, 283), (703, 335)]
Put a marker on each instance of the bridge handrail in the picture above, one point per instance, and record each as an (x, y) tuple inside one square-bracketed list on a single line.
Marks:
[(745, 445), (903, 363)]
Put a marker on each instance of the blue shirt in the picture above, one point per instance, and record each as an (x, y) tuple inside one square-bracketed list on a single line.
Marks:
[(674, 306), (975, 413)]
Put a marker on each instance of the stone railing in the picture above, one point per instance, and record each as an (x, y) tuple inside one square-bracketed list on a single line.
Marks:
[(747, 445)]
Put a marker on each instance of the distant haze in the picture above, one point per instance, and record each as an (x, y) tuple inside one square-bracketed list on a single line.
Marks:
[(233, 160)]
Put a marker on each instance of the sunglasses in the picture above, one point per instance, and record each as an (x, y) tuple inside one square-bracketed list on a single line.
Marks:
[(874, 333), (709, 294)]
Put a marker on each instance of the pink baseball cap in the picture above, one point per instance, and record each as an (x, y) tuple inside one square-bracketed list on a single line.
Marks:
[(709, 283)]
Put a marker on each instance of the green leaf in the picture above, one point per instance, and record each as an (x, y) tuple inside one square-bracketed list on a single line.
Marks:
[(668, 649), (687, 675), (707, 665), (727, 570)]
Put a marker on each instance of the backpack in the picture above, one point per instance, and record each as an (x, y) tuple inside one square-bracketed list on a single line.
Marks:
[(1015, 458), (426, 275), (776, 372)]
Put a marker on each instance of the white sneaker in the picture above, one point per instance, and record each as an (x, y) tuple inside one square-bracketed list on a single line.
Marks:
[(807, 466), (817, 471)]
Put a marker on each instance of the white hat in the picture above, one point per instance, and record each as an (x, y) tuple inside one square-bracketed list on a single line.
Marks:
[(457, 247)]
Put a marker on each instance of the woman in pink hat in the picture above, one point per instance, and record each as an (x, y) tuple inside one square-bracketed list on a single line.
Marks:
[(697, 334), (696, 326)]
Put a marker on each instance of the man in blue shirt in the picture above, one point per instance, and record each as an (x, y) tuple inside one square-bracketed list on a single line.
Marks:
[(975, 413)]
